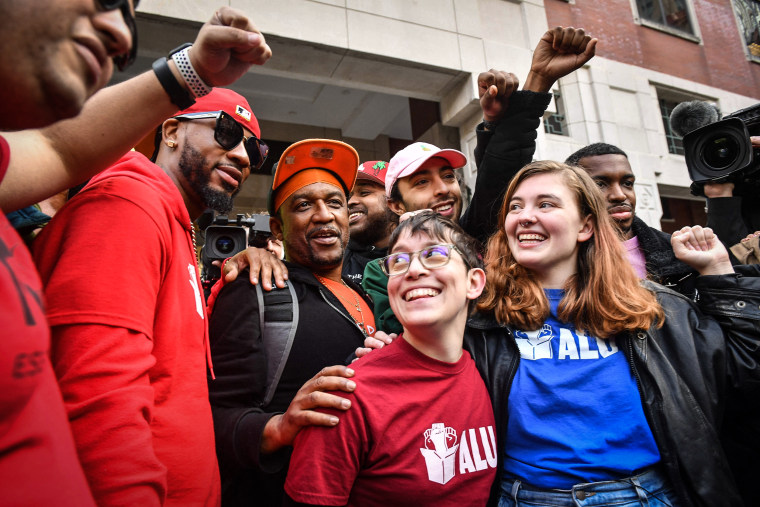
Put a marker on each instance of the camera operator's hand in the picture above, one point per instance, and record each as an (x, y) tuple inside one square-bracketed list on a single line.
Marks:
[(713, 190), (263, 265), (281, 430), (700, 248)]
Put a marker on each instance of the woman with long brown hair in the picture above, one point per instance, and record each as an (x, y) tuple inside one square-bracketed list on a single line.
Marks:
[(605, 388)]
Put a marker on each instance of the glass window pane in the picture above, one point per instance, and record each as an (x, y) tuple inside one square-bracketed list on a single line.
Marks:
[(671, 13), (555, 123), (748, 14)]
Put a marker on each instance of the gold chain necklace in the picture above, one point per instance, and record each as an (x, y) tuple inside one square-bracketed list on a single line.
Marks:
[(357, 305)]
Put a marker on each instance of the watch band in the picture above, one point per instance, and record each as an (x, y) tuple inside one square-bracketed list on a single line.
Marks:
[(177, 94), (490, 125), (197, 86)]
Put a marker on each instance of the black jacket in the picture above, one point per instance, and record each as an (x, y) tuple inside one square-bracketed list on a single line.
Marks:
[(733, 218), (685, 370), (326, 335), (356, 258), (661, 262), (499, 155)]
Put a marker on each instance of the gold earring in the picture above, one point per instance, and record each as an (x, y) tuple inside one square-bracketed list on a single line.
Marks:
[(171, 144)]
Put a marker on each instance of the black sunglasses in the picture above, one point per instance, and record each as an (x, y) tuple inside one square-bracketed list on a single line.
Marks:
[(229, 133), (124, 60)]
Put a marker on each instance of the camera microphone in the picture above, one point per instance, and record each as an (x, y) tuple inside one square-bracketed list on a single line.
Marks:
[(689, 116)]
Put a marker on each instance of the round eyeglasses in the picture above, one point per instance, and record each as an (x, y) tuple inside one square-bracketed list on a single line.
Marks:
[(229, 133), (432, 257)]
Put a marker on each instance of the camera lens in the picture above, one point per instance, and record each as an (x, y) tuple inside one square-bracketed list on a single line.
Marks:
[(720, 152), (224, 244)]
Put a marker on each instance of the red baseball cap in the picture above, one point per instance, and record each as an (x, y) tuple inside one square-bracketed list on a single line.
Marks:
[(232, 103), (374, 171)]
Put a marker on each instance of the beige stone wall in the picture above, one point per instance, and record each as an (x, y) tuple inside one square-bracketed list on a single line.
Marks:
[(434, 50)]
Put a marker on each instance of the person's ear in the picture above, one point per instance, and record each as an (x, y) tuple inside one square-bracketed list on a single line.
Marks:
[(170, 133), (396, 206), (476, 282), (587, 229), (275, 226)]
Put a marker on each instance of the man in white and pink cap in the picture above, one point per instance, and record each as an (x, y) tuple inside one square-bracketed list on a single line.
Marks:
[(422, 176), (371, 222)]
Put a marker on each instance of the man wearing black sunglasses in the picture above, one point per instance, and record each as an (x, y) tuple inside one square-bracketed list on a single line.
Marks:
[(54, 56), (142, 421)]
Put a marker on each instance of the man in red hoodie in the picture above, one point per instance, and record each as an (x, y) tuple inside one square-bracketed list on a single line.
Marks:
[(129, 331), (54, 56)]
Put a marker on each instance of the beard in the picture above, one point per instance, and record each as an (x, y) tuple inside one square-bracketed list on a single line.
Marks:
[(375, 228), (193, 165)]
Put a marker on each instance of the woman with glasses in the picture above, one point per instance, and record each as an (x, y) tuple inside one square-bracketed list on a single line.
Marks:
[(606, 391), (420, 429)]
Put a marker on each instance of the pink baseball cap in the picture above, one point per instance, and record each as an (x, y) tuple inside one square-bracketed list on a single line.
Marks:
[(407, 161), (374, 171)]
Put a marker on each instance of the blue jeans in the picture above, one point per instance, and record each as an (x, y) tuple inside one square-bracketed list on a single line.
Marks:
[(647, 489)]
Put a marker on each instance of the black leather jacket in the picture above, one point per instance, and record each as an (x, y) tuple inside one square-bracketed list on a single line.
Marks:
[(705, 353), (662, 265)]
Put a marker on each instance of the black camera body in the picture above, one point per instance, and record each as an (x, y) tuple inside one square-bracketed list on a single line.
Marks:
[(722, 152), (225, 237)]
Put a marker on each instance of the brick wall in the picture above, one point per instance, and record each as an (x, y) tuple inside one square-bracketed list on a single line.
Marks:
[(719, 61)]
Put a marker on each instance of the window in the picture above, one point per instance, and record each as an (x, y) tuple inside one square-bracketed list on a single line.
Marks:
[(668, 99), (748, 16), (555, 122), (675, 144), (669, 14)]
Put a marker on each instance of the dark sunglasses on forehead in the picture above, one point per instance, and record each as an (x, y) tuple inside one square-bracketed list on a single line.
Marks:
[(432, 257), (124, 60), (229, 133)]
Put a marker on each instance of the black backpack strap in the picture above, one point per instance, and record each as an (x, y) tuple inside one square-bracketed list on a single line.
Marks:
[(278, 321)]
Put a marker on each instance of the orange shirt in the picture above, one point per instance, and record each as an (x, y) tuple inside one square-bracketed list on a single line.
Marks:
[(353, 302)]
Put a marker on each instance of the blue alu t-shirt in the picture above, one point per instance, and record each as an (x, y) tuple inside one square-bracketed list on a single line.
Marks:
[(575, 412)]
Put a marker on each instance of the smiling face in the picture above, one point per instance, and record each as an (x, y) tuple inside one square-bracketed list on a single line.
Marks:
[(54, 55), (313, 225), (369, 216), (208, 175), (613, 175), (429, 302), (544, 228), (433, 186)]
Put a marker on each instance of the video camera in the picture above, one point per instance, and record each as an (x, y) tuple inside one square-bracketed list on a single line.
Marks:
[(722, 152), (227, 236)]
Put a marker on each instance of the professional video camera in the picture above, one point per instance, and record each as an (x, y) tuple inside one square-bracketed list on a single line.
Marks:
[(722, 152), (227, 236)]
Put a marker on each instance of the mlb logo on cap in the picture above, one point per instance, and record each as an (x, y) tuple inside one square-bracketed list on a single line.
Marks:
[(243, 113)]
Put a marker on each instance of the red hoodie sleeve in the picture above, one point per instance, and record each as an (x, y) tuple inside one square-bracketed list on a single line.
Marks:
[(103, 374)]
